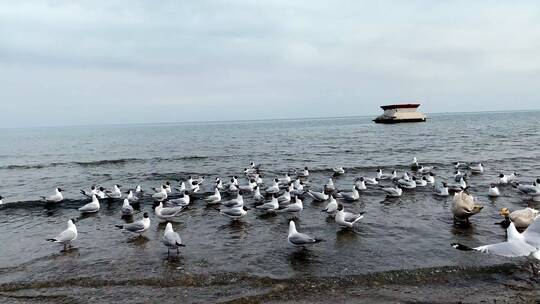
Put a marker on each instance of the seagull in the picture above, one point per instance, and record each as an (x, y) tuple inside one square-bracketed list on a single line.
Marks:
[(249, 188), (477, 169), (270, 206), (516, 245), (192, 187), (285, 180), (318, 196), (430, 178), (460, 186), (138, 190), (127, 210), (285, 198), (332, 205), (116, 193), (442, 190), (1, 200), (299, 239), (353, 196), (167, 212), (360, 184), (425, 169), (233, 187), (93, 191), (274, 188), (493, 191), (257, 196), (91, 207), (161, 195), (294, 207), (382, 176), (347, 219), (304, 173), (67, 236), (101, 193), (338, 171), (393, 192), (235, 202), (235, 212), (298, 187), (414, 165), (182, 187), (171, 239), (214, 198), (56, 197), (371, 180), (132, 197), (139, 226), (182, 200), (407, 183), (459, 175), (329, 186), (533, 189), (506, 179), (458, 165), (255, 166), (421, 182), (219, 183)]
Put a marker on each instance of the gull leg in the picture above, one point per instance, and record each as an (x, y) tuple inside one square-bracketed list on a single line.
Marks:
[(177, 250)]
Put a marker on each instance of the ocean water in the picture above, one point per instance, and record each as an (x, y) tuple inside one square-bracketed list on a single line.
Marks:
[(223, 260)]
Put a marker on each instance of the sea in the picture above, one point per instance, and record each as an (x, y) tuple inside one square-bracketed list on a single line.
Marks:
[(399, 252)]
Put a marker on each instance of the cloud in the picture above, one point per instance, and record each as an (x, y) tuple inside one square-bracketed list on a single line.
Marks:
[(211, 60)]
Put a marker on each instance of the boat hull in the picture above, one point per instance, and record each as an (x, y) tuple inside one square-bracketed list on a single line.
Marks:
[(398, 120)]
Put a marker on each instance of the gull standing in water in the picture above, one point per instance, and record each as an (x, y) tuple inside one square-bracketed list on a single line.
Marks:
[(285, 198), (299, 239), (171, 239), (139, 226), (91, 207), (67, 236), (127, 210), (56, 197), (347, 219), (303, 173), (235, 202), (430, 178)]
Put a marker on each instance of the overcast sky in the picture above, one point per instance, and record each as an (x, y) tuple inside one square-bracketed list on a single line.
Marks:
[(101, 62)]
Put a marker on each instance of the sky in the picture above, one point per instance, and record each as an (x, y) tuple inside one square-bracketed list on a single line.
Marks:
[(109, 62)]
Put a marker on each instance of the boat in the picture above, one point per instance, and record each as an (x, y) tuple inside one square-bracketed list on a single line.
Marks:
[(397, 113)]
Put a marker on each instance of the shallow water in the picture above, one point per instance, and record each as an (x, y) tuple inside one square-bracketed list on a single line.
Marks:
[(406, 234)]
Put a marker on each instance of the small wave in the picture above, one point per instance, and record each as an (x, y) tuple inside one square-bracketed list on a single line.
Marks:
[(103, 162)]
